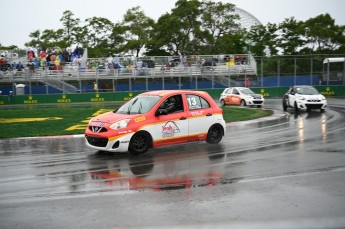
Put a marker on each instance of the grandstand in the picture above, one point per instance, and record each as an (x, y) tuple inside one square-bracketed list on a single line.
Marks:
[(142, 73)]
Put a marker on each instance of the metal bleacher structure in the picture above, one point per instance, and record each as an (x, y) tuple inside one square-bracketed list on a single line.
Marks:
[(223, 70)]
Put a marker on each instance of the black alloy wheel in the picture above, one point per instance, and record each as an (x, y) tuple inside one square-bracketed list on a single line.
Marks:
[(140, 143), (215, 134)]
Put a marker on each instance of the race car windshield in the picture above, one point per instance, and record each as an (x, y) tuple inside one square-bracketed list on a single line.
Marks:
[(138, 105), (307, 91), (246, 91)]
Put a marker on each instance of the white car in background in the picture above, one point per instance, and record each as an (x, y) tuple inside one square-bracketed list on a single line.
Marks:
[(304, 98), (240, 96)]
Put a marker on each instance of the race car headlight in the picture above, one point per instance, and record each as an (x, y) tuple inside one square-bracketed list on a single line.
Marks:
[(249, 96), (323, 97), (90, 120), (120, 124), (300, 97)]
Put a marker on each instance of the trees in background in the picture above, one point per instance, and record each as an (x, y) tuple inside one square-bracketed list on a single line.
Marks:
[(193, 27)]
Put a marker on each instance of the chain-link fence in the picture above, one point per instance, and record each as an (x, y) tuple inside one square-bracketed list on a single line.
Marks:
[(162, 73)]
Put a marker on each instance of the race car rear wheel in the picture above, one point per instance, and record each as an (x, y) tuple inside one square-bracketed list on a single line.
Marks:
[(140, 143), (215, 134)]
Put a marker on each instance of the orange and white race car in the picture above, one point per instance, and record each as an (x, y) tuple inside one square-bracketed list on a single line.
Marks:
[(240, 96), (157, 118)]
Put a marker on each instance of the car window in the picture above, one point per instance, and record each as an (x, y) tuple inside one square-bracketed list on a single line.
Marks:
[(138, 105), (235, 91), (246, 91), (173, 104), (196, 102), (307, 91)]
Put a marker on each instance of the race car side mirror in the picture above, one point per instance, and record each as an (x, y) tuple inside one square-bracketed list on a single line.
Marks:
[(161, 112)]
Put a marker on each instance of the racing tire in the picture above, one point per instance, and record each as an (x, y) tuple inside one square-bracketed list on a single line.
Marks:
[(222, 103), (140, 143), (284, 106), (243, 103), (295, 107), (215, 134)]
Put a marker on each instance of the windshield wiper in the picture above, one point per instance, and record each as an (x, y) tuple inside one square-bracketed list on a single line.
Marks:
[(140, 106), (129, 107)]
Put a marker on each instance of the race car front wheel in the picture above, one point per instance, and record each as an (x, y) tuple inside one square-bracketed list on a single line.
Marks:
[(284, 106), (243, 103), (140, 143), (295, 107), (222, 103)]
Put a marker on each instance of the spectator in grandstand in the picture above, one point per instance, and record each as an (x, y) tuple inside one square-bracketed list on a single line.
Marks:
[(43, 56), (95, 86), (116, 62), (36, 63), (167, 66), (31, 65), (76, 59), (49, 60), (31, 54), (19, 66), (57, 64), (247, 82), (130, 68), (78, 52), (65, 56), (110, 61)]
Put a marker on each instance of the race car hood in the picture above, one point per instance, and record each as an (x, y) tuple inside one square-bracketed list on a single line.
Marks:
[(111, 117), (256, 96), (312, 97)]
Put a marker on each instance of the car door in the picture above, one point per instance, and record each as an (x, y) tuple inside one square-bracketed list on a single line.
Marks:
[(172, 127), (200, 116), (235, 98)]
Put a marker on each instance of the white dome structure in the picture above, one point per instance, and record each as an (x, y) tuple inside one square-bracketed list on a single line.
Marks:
[(247, 19)]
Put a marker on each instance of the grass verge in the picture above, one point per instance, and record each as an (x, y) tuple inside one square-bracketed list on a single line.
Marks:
[(33, 121), (235, 114)]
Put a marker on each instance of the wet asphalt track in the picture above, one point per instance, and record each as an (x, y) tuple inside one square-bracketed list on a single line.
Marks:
[(287, 171)]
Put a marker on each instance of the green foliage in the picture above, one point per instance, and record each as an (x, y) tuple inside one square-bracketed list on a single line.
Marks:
[(234, 114), (195, 27), (58, 120), (64, 118)]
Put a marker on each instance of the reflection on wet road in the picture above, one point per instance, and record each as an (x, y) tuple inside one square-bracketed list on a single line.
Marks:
[(299, 144)]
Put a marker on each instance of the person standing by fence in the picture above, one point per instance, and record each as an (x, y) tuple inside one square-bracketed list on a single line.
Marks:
[(95, 86)]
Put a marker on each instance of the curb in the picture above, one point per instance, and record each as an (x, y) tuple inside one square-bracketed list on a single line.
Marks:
[(277, 114), (56, 136)]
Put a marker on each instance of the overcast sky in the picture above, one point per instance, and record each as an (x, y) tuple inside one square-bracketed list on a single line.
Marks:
[(19, 18)]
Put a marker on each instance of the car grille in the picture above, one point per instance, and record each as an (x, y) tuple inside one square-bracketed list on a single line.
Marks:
[(97, 129), (100, 142), (314, 106), (314, 100), (257, 102)]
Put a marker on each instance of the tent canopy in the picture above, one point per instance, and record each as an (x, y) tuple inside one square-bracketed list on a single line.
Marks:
[(334, 60)]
